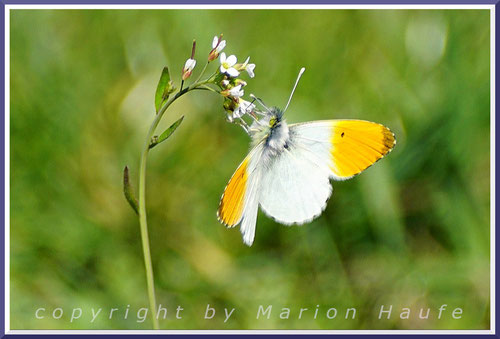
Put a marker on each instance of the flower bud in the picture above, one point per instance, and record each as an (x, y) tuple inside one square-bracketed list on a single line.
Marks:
[(190, 64), (170, 88), (240, 82), (188, 68), (217, 46), (229, 105)]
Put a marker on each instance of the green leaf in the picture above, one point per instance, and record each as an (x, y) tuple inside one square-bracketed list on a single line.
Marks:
[(162, 90), (165, 135), (127, 190)]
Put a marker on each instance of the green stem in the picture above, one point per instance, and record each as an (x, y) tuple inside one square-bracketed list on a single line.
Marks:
[(202, 72), (206, 88), (142, 202)]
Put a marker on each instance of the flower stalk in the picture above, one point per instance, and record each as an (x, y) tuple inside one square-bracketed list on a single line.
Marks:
[(142, 199), (230, 89)]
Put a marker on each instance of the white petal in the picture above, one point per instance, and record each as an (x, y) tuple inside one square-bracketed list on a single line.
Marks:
[(236, 91), (249, 69), (190, 63), (223, 57), (231, 60), (246, 106), (215, 41), (222, 69), (232, 72), (246, 62), (243, 108), (237, 113), (221, 46)]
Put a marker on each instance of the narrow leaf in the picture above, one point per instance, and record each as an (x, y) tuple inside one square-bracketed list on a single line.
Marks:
[(127, 190), (161, 90), (165, 135)]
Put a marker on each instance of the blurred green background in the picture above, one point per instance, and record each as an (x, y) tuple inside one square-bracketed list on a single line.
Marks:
[(412, 231)]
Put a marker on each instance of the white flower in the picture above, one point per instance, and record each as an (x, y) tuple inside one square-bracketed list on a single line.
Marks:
[(225, 83), (244, 107), (188, 68), (226, 65), (249, 68), (218, 46), (236, 92)]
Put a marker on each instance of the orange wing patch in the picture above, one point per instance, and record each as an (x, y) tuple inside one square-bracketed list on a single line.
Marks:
[(357, 144), (231, 204)]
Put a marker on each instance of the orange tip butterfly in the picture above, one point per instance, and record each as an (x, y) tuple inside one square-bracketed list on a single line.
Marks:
[(289, 167)]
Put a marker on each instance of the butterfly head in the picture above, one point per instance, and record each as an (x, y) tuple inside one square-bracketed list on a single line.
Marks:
[(276, 117), (272, 127)]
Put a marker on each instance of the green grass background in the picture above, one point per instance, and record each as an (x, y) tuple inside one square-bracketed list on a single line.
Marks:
[(412, 231)]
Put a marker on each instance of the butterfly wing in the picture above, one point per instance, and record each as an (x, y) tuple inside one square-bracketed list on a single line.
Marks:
[(295, 186), (348, 146), (239, 202)]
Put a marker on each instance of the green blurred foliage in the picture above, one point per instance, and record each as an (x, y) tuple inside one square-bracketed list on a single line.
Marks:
[(412, 231)]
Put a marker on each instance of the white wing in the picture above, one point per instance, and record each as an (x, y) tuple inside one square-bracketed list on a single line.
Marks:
[(295, 184), (249, 219)]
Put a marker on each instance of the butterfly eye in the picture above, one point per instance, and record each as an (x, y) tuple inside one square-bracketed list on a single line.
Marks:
[(272, 122)]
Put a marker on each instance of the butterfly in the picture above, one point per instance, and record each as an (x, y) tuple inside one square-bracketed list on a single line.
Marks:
[(288, 169)]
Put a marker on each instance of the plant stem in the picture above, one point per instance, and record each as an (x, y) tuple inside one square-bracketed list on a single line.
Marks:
[(206, 88), (142, 202), (202, 72)]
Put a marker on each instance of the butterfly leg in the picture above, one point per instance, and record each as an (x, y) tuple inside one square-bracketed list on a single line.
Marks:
[(243, 125)]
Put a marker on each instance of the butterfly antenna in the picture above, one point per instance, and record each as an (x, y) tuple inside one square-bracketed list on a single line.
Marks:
[(302, 70), (260, 102)]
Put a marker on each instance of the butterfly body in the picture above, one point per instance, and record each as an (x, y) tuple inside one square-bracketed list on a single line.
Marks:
[(272, 129)]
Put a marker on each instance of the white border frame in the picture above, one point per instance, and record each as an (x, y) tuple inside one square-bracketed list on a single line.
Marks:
[(297, 332)]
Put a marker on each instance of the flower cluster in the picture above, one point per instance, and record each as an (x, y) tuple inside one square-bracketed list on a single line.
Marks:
[(232, 87), (227, 79)]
